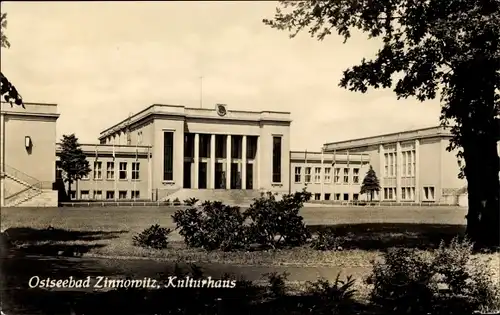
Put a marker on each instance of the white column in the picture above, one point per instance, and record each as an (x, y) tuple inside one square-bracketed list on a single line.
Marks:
[(2, 159), (228, 162), (244, 163), (322, 174), (211, 184), (196, 160), (398, 171), (381, 174), (258, 159), (150, 176), (417, 171)]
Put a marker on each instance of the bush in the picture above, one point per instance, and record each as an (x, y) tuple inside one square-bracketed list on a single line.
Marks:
[(326, 240), (447, 281), (176, 202), (154, 237), (214, 226), (277, 287), (275, 223), (332, 298), (191, 202)]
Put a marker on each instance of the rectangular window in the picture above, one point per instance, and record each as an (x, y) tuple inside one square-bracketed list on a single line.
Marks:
[(355, 176), (355, 197), (298, 178), (317, 175), (429, 194), (403, 169), (411, 165), (84, 194), (276, 159), (135, 194), (346, 175), (122, 194), (97, 170), (337, 197), (317, 196), (123, 170), (403, 193), (135, 170), (110, 194), (328, 176), (327, 196), (97, 194), (72, 195), (110, 170), (336, 177), (168, 155), (386, 164), (391, 164), (391, 194), (308, 175), (346, 197)]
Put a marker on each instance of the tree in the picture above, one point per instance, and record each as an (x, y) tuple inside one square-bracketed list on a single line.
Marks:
[(370, 183), (429, 47), (73, 161), (7, 89)]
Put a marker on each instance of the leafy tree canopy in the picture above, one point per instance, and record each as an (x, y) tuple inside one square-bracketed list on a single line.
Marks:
[(7, 89)]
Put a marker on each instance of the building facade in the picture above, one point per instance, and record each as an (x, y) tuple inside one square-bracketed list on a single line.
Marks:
[(168, 151)]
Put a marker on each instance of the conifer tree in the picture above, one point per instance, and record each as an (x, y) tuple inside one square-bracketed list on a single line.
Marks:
[(370, 183)]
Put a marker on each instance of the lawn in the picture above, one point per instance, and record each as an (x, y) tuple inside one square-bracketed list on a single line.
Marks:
[(108, 232)]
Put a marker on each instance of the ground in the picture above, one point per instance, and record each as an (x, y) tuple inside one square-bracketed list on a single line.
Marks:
[(80, 241)]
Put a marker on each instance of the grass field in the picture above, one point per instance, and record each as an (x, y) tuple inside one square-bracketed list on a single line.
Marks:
[(109, 231)]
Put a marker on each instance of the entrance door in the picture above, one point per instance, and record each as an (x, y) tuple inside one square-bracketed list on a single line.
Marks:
[(187, 175), (202, 176)]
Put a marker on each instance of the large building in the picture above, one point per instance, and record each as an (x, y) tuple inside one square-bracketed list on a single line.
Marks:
[(175, 152)]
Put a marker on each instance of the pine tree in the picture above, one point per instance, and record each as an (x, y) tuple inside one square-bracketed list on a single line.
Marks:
[(73, 161), (370, 183)]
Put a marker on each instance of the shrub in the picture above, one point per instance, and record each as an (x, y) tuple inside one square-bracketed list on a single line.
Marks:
[(275, 223), (191, 202), (332, 298), (214, 226), (176, 202), (326, 240), (154, 237), (277, 287), (446, 281)]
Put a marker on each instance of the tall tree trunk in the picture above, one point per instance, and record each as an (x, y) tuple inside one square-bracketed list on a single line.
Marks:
[(481, 170)]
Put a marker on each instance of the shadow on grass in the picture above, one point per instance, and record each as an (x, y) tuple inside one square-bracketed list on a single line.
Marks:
[(381, 236), (52, 242)]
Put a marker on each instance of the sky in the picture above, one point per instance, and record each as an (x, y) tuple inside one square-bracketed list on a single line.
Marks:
[(102, 61)]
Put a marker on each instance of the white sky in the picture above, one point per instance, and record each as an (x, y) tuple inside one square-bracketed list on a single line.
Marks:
[(100, 61)]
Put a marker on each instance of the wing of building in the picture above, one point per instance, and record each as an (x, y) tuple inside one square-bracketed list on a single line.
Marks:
[(176, 152)]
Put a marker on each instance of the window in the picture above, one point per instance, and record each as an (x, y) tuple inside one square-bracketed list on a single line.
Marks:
[(72, 195), (276, 159), (308, 175), (336, 177), (97, 194), (84, 194), (122, 194), (97, 170), (123, 170), (58, 170), (355, 197), (110, 170), (337, 197), (317, 175), (391, 164), (135, 194), (135, 170), (110, 194), (403, 169), (298, 178), (327, 196), (346, 175), (317, 196), (168, 155), (428, 194), (386, 164), (403, 193), (346, 197), (411, 164), (389, 193), (328, 176), (355, 176)]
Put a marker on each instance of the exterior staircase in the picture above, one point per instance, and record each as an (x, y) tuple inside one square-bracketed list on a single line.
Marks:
[(21, 188)]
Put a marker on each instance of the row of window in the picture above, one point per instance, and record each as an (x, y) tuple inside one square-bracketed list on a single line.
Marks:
[(110, 171), (327, 175), (220, 146), (109, 195), (337, 197), (408, 193), (407, 163)]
